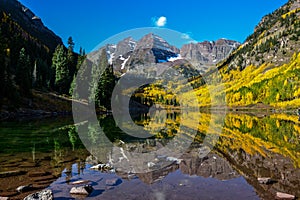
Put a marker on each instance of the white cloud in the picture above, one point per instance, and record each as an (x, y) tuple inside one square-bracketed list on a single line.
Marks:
[(185, 36), (188, 38), (161, 21)]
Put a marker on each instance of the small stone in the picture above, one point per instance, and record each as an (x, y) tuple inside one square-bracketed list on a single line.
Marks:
[(265, 180), (80, 182), (112, 182), (150, 164), (82, 190), (24, 188), (101, 167), (42, 195), (172, 159), (280, 195)]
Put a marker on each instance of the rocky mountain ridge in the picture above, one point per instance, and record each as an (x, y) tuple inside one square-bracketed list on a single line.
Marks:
[(208, 53), (30, 23), (275, 39), (154, 49)]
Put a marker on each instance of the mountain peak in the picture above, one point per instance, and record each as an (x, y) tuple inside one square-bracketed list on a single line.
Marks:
[(152, 49), (152, 40)]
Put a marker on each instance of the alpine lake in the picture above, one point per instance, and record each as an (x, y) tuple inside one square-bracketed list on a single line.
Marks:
[(49, 153)]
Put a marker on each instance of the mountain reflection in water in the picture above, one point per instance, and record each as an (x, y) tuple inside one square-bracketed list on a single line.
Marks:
[(249, 147)]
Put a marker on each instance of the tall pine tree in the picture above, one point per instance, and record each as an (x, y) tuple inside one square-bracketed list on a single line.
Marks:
[(60, 65), (23, 73), (71, 57), (106, 83)]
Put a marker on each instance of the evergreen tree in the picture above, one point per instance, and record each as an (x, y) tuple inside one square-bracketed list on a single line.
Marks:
[(71, 44), (80, 51), (80, 61), (71, 59), (23, 73), (106, 83), (72, 87), (60, 65), (83, 80), (79, 64)]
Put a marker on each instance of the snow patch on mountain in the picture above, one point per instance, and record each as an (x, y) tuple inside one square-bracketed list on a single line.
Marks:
[(124, 63), (121, 57), (172, 59), (111, 57)]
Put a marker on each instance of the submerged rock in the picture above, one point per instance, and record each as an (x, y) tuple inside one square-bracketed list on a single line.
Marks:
[(80, 182), (82, 190), (102, 167), (24, 188), (265, 180), (113, 181), (42, 195), (280, 195)]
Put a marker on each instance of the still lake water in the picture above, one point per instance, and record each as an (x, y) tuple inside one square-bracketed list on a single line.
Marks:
[(49, 153)]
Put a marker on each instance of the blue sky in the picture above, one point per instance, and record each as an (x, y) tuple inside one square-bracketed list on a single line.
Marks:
[(92, 21)]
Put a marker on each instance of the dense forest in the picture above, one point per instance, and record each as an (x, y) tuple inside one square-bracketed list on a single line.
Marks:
[(28, 65)]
